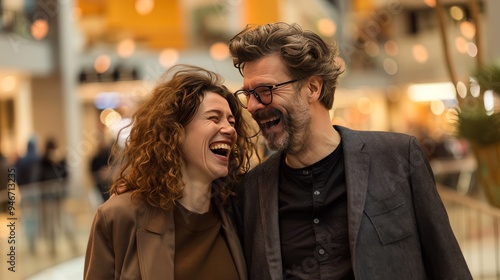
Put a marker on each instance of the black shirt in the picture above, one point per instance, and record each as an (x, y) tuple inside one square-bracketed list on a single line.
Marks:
[(313, 220)]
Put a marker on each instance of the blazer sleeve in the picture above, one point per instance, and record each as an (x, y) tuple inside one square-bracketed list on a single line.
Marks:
[(442, 256), (99, 257)]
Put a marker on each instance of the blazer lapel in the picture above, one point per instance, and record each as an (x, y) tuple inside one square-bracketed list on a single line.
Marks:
[(356, 172), (268, 197), (156, 245)]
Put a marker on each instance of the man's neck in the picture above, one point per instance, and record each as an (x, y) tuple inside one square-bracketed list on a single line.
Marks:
[(323, 141)]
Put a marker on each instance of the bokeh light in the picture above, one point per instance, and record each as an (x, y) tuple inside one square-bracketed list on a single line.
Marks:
[(437, 107), (468, 29), (420, 53), (461, 89), (8, 83), (39, 29), (475, 89), (391, 48), (430, 3), (456, 13), (126, 47), (461, 44), (144, 7), (102, 63), (168, 57), (489, 102), (390, 66), (471, 49), (219, 51), (326, 27)]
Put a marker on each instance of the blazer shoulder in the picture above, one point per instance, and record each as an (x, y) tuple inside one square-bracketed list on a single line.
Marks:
[(385, 136), (378, 142)]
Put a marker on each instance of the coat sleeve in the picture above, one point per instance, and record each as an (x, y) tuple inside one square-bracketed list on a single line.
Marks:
[(441, 253), (99, 257)]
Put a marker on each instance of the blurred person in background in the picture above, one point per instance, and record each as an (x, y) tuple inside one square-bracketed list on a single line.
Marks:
[(332, 203), (53, 186), (27, 175), (101, 170), (4, 181), (188, 145), (27, 166)]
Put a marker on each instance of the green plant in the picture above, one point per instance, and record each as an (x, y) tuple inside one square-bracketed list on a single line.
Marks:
[(477, 126), (474, 122)]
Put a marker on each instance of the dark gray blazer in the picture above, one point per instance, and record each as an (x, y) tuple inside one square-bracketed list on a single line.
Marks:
[(398, 226)]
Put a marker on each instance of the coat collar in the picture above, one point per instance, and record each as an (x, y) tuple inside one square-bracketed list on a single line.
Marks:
[(156, 244)]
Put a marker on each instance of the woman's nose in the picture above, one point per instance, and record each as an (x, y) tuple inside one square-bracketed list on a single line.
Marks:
[(228, 129)]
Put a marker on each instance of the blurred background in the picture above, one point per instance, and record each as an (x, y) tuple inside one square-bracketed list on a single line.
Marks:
[(73, 71)]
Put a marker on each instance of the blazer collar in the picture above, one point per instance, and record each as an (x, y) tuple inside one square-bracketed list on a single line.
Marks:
[(268, 198), (356, 162)]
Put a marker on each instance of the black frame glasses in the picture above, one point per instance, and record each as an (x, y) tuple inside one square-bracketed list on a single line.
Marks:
[(263, 94)]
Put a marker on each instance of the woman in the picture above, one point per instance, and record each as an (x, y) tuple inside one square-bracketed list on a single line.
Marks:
[(187, 146)]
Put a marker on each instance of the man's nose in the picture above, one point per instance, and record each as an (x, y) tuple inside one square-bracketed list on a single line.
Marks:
[(254, 104)]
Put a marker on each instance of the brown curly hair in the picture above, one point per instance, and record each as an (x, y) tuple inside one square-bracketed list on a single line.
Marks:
[(149, 165), (303, 53)]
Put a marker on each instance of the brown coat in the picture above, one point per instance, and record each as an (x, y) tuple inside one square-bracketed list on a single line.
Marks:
[(136, 241)]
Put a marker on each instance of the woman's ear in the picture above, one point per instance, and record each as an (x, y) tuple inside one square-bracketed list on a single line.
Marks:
[(314, 86)]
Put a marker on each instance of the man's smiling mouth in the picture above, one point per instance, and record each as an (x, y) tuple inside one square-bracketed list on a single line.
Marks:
[(269, 122)]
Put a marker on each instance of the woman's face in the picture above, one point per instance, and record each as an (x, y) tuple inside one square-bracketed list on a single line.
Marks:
[(209, 137)]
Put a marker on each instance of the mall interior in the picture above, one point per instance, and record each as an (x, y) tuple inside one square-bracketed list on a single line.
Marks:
[(73, 71)]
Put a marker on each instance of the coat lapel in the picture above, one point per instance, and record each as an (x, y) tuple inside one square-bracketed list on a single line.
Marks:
[(233, 243), (156, 245), (356, 172)]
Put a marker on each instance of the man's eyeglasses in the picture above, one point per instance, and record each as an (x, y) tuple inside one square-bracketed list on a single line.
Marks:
[(263, 94)]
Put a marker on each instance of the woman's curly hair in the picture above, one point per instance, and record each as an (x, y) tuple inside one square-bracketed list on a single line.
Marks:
[(303, 53), (150, 163)]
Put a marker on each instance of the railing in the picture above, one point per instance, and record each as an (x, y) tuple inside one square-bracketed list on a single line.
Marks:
[(52, 227), (476, 226)]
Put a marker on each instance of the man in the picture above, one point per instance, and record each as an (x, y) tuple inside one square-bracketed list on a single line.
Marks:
[(332, 203)]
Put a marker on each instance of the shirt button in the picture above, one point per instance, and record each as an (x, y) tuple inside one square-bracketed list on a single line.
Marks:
[(317, 192), (316, 220), (321, 251), (305, 172)]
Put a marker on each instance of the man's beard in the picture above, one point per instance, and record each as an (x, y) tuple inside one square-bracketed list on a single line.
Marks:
[(296, 130)]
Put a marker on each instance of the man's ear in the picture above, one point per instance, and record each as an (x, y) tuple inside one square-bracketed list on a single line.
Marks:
[(314, 86)]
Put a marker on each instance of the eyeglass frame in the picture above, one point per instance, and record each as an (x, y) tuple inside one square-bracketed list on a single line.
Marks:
[(254, 93)]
